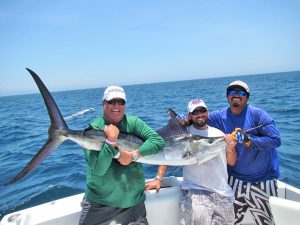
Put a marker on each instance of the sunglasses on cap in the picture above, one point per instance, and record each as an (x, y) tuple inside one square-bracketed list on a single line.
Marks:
[(199, 111), (239, 93), (116, 101)]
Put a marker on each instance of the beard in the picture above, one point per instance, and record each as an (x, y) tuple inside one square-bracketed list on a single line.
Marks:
[(235, 104), (200, 124)]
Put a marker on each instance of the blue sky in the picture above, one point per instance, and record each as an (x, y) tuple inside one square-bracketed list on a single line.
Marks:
[(86, 44)]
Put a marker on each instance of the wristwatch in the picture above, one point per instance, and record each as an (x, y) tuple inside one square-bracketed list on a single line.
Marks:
[(158, 178), (135, 156)]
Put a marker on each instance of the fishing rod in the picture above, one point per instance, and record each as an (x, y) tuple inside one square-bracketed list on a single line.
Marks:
[(259, 126), (247, 131)]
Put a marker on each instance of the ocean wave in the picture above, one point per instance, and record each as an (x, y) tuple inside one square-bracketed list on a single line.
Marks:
[(286, 110), (79, 113)]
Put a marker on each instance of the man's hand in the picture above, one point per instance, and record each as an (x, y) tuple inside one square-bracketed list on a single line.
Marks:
[(126, 156), (242, 137), (231, 154), (231, 143), (155, 183), (182, 119), (111, 132)]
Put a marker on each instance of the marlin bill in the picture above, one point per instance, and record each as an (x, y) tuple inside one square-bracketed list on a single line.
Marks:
[(182, 148)]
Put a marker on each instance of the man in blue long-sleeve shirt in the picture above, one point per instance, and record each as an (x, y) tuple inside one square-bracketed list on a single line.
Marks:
[(253, 178)]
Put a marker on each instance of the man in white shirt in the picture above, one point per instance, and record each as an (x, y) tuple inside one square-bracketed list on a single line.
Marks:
[(206, 198)]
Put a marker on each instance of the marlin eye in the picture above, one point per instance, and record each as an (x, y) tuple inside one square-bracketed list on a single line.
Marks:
[(211, 140), (187, 155)]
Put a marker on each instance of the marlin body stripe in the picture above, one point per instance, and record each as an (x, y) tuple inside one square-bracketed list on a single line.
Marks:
[(182, 148)]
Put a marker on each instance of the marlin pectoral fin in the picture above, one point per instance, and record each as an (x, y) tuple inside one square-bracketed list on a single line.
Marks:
[(46, 150)]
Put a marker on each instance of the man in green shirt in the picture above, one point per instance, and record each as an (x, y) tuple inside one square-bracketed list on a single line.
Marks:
[(115, 182)]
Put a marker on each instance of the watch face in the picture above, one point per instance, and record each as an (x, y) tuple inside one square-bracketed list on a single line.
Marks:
[(135, 156)]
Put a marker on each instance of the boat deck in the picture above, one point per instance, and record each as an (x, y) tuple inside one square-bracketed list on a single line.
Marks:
[(162, 208)]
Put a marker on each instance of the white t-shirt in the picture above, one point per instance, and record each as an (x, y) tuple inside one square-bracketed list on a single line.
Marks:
[(211, 175)]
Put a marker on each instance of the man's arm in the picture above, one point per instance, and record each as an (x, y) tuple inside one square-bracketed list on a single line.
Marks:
[(155, 183), (231, 154), (153, 141)]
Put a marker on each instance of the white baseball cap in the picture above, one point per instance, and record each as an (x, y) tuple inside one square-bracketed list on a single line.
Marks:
[(112, 92), (239, 83), (194, 104)]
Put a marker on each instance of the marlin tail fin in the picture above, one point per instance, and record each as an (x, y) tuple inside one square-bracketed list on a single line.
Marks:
[(57, 130)]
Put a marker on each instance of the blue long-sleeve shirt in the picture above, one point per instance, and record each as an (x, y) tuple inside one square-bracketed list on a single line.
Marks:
[(259, 162)]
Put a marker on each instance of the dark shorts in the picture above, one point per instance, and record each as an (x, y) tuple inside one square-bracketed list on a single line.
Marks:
[(255, 197), (93, 213)]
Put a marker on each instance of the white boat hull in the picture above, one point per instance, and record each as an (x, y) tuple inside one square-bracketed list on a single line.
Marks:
[(162, 208)]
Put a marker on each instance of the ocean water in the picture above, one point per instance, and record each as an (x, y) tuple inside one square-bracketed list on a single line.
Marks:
[(24, 125)]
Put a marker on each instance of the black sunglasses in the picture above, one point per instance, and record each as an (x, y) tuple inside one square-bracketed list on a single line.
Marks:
[(116, 101), (199, 111)]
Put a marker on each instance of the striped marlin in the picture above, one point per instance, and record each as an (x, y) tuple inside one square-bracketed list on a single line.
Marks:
[(182, 148)]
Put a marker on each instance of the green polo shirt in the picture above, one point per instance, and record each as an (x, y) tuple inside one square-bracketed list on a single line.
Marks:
[(110, 183)]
